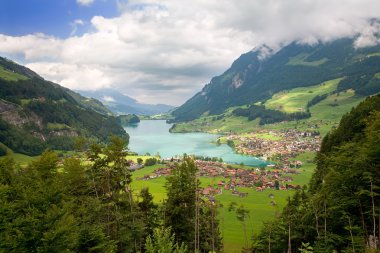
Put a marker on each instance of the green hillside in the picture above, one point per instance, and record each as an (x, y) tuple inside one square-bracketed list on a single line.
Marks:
[(36, 114), (251, 79), (296, 100), (324, 113), (339, 211)]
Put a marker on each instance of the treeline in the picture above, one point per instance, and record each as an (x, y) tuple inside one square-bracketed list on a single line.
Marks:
[(208, 159), (269, 116), (66, 205), (315, 100), (340, 212)]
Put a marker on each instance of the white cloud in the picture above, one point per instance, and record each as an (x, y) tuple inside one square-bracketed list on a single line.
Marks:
[(73, 76), (164, 51), (85, 2), (108, 99)]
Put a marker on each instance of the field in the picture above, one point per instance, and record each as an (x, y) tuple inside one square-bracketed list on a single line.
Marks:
[(324, 115), (211, 124), (10, 76), (295, 100), (301, 59), (257, 202)]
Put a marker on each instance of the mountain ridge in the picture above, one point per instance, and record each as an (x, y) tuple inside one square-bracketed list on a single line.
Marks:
[(251, 79), (119, 103), (36, 114)]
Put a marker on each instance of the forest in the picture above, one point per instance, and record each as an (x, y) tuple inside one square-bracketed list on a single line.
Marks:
[(340, 210), (88, 205), (268, 116)]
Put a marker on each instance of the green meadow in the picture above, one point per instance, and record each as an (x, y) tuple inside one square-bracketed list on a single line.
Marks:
[(295, 100), (301, 59), (10, 75), (259, 203), (324, 115)]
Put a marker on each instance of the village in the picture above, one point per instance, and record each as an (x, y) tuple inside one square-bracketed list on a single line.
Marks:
[(278, 174), (230, 178), (280, 147)]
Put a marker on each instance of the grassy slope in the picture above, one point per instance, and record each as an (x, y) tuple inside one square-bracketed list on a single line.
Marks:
[(325, 114), (295, 100), (301, 59), (21, 159), (10, 76)]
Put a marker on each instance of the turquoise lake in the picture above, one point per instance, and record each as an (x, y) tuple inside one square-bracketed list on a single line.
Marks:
[(152, 136)]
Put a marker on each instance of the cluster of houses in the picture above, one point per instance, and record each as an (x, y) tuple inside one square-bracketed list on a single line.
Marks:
[(234, 178), (288, 144)]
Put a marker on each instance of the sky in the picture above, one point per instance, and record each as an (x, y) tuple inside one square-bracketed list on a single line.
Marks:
[(164, 51)]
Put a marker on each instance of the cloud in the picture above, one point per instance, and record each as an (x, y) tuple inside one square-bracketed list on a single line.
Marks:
[(73, 76), (162, 51), (108, 99), (85, 2), (74, 25)]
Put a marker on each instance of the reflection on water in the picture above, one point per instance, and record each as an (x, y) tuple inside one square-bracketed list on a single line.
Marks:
[(153, 136)]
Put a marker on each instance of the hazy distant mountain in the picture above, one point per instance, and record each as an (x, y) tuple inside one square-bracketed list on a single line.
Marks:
[(122, 104), (252, 78)]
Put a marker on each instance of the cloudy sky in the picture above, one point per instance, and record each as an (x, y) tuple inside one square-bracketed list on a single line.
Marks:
[(164, 51)]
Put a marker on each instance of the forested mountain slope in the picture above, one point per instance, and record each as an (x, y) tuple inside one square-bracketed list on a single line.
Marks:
[(340, 210), (36, 114), (252, 78)]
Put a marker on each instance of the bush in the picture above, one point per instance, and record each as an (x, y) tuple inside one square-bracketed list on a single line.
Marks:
[(150, 161), (3, 150)]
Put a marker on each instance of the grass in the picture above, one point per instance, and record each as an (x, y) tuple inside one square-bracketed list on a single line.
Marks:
[(257, 202), (374, 54), (301, 59), (143, 157), (324, 115), (57, 126), (10, 75), (20, 159), (156, 186), (229, 123), (335, 106), (295, 100)]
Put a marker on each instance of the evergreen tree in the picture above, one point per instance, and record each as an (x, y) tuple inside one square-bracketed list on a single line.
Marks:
[(180, 206)]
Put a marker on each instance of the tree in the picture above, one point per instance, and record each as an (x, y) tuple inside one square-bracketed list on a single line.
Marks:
[(180, 206), (149, 211), (242, 214), (163, 241)]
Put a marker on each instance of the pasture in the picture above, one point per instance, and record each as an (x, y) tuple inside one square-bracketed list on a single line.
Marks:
[(258, 203), (295, 100)]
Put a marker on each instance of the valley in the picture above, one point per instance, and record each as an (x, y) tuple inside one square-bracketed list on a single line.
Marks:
[(241, 157)]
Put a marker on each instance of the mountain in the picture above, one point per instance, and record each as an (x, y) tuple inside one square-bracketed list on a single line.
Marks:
[(343, 195), (36, 114), (122, 104), (253, 78)]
